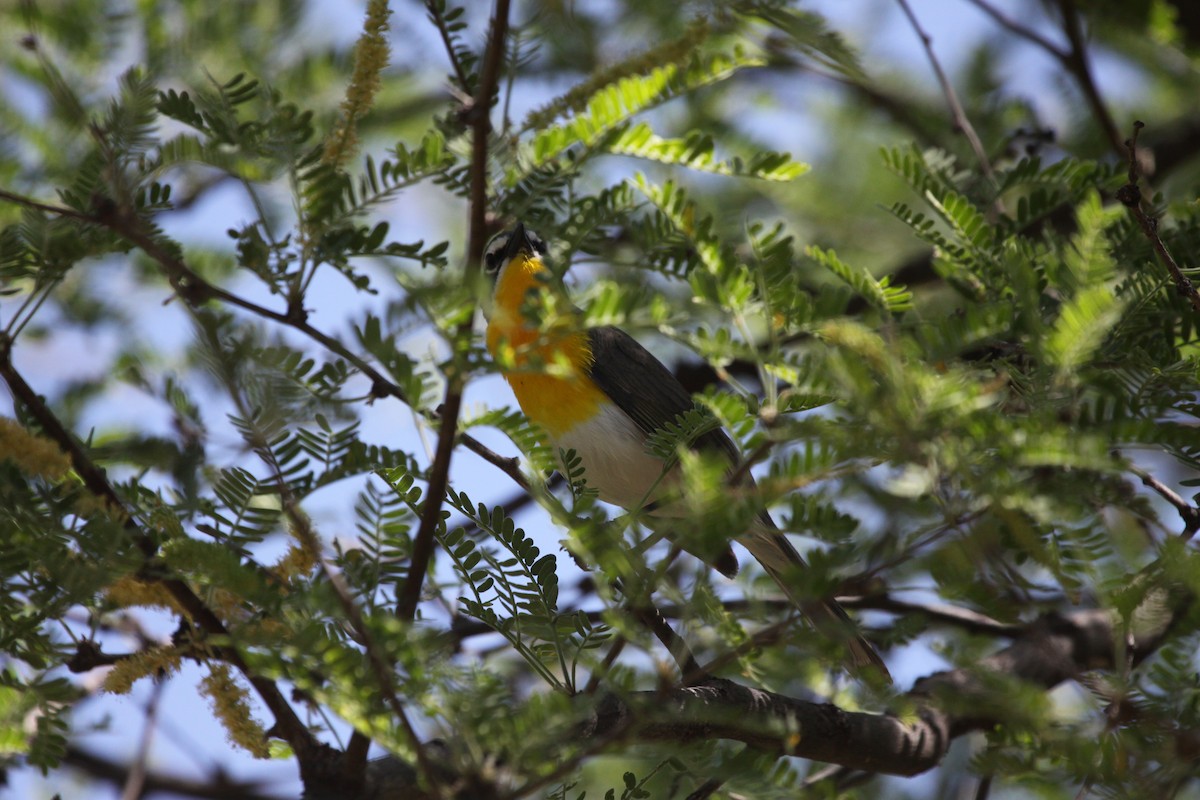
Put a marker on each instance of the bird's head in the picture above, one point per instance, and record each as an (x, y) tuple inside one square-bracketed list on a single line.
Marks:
[(510, 259), (506, 246)]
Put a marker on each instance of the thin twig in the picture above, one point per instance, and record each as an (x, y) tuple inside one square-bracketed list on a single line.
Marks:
[(439, 22), (654, 620), (88, 656), (1076, 60), (435, 493), (219, 786), (135, 782), (963, 618), (609, 659), (1130, 196), (898, 109), (911, 548), (956, 109), (768, 635), (743, 469), (1189, 512), (1020, 30), (354, 765), (58, 211), (568, 765), (509, 465)]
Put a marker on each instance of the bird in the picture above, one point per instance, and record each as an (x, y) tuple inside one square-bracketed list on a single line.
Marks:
[(599, 392)]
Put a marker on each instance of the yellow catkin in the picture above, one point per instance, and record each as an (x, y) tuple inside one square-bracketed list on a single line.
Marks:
[(90, 506), (231, 707), (266, 629), (297, 561), (227, 604), (166, 522), (128, 592), (33, 455), (371, 55), (129, 670)]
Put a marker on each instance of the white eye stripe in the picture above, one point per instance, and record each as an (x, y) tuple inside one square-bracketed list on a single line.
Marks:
[(495, 249)]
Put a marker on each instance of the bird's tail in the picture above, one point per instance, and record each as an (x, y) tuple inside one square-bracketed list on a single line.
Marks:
[(777, 556)]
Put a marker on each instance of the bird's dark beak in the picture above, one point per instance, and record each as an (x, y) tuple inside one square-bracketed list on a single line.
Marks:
[(518, 243)]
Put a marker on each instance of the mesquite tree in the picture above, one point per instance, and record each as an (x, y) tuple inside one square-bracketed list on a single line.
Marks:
[(255, 444)]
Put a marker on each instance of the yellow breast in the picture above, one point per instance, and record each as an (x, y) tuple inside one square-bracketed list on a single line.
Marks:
[(548, 370)]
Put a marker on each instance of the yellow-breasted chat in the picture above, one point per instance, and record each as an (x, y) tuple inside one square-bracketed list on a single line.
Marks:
[(599, 392)]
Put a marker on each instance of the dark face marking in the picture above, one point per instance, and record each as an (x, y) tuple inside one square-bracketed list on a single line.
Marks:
[(493, 255), (509, 244)]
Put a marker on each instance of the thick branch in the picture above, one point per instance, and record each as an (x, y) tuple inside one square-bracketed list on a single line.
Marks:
[(219, 787), (949, 704), (1054, 650)]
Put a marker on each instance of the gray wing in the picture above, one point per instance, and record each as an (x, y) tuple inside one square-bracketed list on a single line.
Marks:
[(641, 386), (644, 388)]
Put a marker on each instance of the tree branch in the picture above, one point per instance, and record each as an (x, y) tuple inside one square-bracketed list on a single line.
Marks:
[(435, 493), (1055, 649), (676, 646), (944, 613), (352, 776), (219, 787), (439, 22), (949, 704), (1020, 30), (1130, 196), (462, 628), (1189, 512), (135, 779), (956, 110), (1076, 60)]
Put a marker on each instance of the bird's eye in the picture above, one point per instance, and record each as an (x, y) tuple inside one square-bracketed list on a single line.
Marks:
[(493, 256)]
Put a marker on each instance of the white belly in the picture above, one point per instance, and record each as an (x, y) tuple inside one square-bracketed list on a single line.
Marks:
[(615, 460)]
